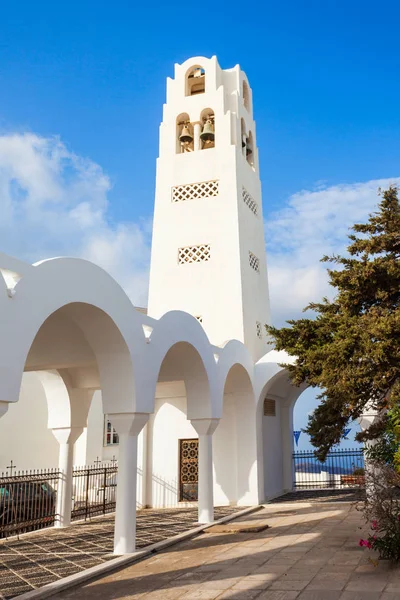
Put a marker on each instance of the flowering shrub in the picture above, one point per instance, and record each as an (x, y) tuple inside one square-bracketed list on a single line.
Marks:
[(381, 509)]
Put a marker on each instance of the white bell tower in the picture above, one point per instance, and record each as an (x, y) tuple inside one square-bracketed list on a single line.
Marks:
[(208, 250)]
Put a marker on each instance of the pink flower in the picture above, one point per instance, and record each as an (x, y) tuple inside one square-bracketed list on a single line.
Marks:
[(374, 524), (365, 543)]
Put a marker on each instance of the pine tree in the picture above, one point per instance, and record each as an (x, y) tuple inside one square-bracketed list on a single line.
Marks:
[(351, 349)]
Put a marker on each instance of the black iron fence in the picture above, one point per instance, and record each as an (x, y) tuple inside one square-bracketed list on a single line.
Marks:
[(93, 490), (342, 468), (28, 501)]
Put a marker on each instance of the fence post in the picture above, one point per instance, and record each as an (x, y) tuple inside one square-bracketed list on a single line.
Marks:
[(66, 437), (104, 490)]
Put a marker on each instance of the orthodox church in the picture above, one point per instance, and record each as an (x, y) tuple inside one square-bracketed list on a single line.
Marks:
[(187, 395)]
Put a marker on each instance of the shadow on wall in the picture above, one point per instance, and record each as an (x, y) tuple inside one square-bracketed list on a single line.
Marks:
[(165, 493)]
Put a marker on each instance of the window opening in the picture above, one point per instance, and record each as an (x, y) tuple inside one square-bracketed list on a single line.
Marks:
[(246, 95), (192, 254), (191, 191), (269, 408), (196, 81), (111, 437), (254, 262), (249, 149), (248, 200)]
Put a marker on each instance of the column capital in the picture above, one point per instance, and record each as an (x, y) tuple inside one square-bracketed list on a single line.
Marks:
[(67, 435), (128, 423), (205, 426)]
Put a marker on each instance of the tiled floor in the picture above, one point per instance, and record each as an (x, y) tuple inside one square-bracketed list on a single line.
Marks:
[(310, 552), (41, 558)]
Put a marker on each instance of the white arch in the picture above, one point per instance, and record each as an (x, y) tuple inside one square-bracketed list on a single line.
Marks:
[(236, 463), (233, 353), (178, 327), (94, 301)]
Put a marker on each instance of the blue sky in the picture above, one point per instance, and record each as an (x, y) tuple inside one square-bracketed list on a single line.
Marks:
[(81, 91)]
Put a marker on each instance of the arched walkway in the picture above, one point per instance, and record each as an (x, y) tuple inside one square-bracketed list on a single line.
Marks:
[(235, 449), (184, 397)]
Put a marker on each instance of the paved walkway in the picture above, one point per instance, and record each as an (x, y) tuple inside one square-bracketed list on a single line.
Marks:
[(310, 552), (51, 554)]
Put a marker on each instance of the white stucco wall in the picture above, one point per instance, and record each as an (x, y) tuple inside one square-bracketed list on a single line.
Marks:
[(26, 440), (95, 434), (169, 424), (230, 305), (225, 455), (273, 465), (24, 436)]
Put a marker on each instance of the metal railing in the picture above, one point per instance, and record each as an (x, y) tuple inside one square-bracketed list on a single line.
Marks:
[(343, 468), (94, 490), (28, 501)]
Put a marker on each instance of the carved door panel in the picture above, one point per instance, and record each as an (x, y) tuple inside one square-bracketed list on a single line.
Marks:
[(188, 470)]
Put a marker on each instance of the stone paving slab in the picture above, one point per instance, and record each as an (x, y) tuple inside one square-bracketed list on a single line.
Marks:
[(37, 559), (239, 527), (310, 552)]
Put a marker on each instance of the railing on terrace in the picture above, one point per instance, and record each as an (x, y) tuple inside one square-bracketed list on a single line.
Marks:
[(94, 490), (28, 500), (343, 468)]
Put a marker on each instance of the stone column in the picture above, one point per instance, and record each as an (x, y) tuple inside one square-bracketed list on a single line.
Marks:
[(66, 437), (128, 426), (205, 428), (196, 133)]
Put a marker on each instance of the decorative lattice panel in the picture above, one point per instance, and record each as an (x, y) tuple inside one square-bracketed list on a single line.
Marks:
[(259, 329), (247, 199), (254, 262), (269, 407), (188, 469), (191, 191), (192, 254)]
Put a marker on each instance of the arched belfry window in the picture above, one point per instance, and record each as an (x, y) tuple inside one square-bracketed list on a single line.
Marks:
[(195, 81), (207, 124), (243, 136), (184, 134), (246, 95), (250, 149)]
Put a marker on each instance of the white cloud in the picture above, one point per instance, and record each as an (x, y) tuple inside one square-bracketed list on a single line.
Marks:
[(312, 224), (53, 203)]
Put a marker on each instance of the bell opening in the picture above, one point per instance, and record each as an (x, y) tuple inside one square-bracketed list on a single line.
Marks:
[(196, 81), (184, 134), (249, 150), (207, 135)]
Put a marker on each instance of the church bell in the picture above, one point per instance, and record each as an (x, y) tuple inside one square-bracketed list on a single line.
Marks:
[(207, 135), (185, 137)]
